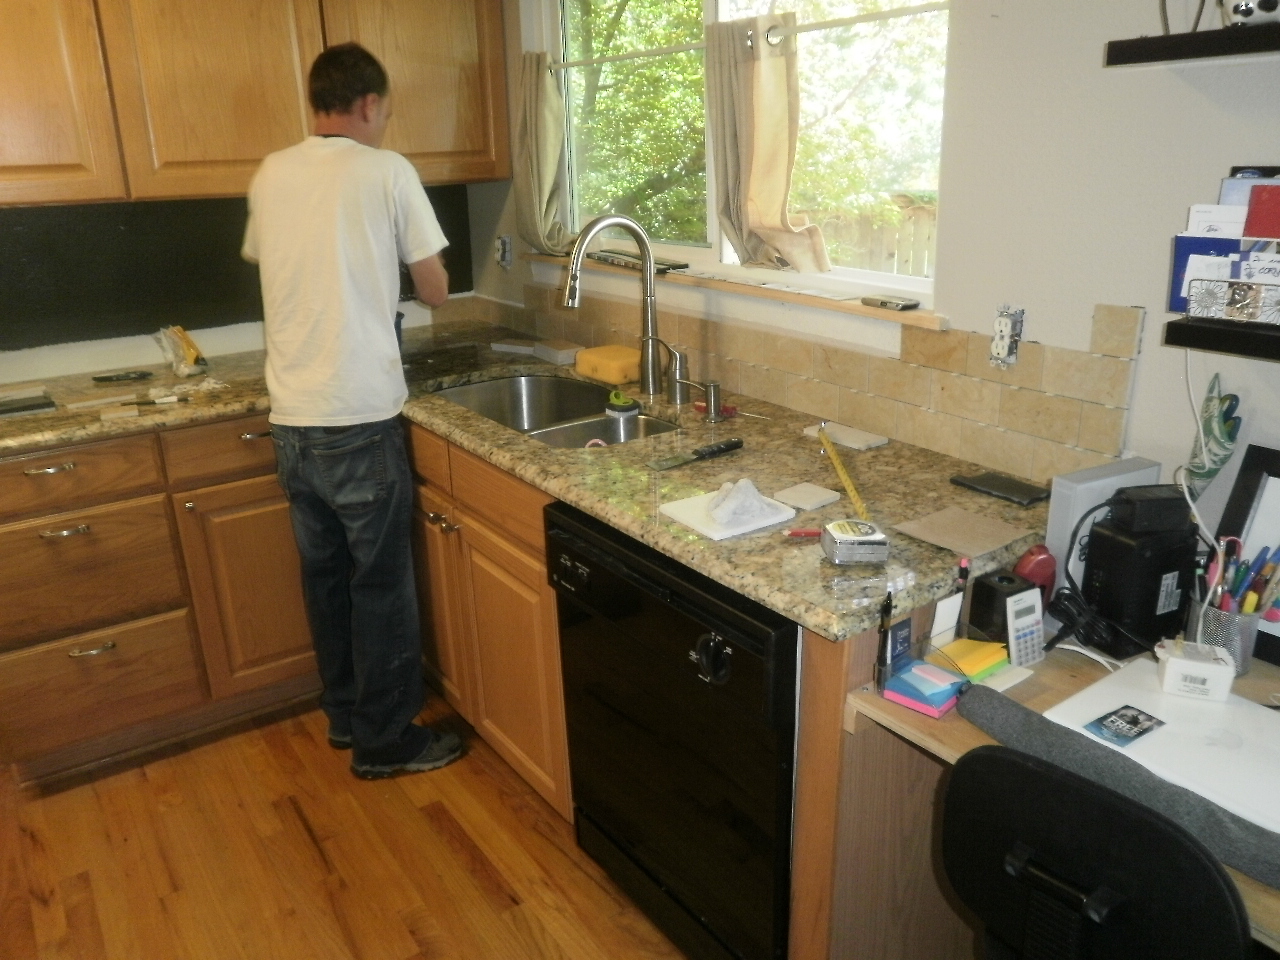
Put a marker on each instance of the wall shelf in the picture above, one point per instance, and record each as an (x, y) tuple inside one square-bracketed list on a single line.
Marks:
[(1257, 341), (1225, 42)]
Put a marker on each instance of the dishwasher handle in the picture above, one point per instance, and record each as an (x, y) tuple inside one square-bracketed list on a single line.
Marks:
[(601, 559)]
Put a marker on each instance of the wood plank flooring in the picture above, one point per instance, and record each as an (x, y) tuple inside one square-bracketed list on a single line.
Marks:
[(260, 845)]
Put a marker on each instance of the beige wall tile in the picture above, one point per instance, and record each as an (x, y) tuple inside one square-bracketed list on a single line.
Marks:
[(693, 332), (845, 368), (965, 397), (868, 412), (1117, 331), (728, 372), (896, 380), (618, 315), (788, 353), (523, 320), (1025, 373), (740, 343), (669, 326), (763, 383), (620, 337), (1084, 376), (535, 296), (578, 332), (940, 349), (931, 430), (1040, 415), (1101, 428), (550, 327), (814, 396), (1052, 459), (998, 449)]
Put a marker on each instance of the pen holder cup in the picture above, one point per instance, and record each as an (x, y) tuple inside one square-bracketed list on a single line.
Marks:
[(1234, 632)]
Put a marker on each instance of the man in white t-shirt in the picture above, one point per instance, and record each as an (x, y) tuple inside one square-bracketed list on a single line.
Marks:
[(330, 221)]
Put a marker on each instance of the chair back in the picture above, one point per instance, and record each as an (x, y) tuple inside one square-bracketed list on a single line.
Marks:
[(1058, 867)]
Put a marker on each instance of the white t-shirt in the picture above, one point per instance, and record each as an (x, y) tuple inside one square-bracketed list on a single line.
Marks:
[(330, 220)]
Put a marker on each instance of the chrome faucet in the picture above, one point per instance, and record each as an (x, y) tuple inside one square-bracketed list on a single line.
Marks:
[(650, 359)]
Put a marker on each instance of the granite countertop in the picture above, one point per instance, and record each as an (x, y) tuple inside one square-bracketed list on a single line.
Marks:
[(899, 482)]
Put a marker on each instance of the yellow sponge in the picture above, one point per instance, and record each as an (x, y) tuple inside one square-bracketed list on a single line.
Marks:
[(613, 364)]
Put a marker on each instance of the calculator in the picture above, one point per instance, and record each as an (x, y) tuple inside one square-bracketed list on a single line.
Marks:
[(1024, 621)]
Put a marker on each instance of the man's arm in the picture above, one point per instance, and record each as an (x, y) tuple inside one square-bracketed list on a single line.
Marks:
[(430, 280)]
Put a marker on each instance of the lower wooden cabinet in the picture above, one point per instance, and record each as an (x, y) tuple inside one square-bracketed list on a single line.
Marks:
[(437, 564), (509, 614), (246, 584), (117, 677)]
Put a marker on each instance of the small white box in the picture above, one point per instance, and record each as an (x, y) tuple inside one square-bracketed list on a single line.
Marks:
[(562, 352), (1195, 670)]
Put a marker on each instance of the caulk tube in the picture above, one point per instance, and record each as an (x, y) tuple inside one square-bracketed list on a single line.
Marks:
[(884, 655)]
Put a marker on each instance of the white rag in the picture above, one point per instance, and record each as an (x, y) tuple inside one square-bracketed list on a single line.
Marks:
[(738, 502)]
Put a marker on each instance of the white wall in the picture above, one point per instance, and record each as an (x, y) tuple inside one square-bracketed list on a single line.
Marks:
[(1063, 182)]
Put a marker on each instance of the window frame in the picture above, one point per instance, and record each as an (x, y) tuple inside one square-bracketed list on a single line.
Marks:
[(717, 258)]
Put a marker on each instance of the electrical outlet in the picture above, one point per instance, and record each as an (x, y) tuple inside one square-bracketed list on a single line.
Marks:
[(1005, 337), (502, 252)]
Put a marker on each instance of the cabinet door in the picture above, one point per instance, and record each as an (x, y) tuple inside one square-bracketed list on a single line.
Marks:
[(246, 584), (510, 613), (59, 137), (448, 80), (437, 559), (204, 91)]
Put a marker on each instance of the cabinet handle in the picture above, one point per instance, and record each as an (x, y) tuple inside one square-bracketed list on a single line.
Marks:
[(448, 527), (255, 436), (77, 652), (436, 518), (189, 505), (69, 532), (61, 468)]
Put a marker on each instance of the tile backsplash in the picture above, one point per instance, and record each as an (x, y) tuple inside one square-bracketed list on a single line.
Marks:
[(1054, 411)]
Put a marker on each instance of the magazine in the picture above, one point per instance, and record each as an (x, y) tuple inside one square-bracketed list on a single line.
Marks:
[(1123, 726)]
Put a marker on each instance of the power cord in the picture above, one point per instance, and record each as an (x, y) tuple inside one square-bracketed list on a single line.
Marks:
[(1069, 607)]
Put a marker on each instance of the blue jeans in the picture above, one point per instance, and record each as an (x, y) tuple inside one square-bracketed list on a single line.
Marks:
[(350, 496)]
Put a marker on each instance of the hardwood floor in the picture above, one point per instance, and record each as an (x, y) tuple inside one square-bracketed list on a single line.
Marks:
[(262, 846)]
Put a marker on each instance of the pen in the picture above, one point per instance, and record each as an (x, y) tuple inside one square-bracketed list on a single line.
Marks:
[(1253, 570), (802, 532), (962, 575), (884, 656)]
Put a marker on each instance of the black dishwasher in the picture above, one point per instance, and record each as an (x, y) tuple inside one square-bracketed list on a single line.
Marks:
[(681, 703)]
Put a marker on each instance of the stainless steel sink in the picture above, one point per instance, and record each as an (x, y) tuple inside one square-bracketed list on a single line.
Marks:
[(530, 403), (610, 430)]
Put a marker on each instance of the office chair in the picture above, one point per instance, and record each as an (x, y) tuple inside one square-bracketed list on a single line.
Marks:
[(1058, 867)]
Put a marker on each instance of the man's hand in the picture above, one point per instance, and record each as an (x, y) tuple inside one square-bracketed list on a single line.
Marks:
[(430, 280)]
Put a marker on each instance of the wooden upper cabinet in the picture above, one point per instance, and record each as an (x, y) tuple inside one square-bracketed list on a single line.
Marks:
[(57, 135), (205, 90), (448, 80)]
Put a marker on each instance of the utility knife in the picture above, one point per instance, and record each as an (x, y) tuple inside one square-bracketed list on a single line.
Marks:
[(698, 453)]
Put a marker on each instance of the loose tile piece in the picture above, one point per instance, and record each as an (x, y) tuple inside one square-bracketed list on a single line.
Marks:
[(1117, 331)]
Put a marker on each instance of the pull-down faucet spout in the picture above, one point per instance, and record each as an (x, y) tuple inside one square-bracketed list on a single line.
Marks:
[(650, 361)]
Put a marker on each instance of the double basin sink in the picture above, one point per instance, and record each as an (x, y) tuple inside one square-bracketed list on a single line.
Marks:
[(558, 411)]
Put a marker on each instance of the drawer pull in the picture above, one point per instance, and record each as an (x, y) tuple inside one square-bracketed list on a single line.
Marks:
[(77, 652), (69, 532), (448, 527), (60, 468), (436, 518), (255, 436)]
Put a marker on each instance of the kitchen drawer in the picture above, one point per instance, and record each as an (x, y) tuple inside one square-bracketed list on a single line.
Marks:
[(225, 450), (71, 476), (507, 502), (88, 568), (94, 683), (429, 456)]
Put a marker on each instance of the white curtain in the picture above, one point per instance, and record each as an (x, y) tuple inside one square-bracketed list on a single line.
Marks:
[(539, 146), (753, 101)]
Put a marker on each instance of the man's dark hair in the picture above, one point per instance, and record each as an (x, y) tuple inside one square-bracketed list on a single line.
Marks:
[(342, 75)]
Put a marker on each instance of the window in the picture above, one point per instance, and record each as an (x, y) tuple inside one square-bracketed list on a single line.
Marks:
[(866, 165)]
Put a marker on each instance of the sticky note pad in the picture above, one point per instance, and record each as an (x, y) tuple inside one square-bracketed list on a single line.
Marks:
[(806, 496)]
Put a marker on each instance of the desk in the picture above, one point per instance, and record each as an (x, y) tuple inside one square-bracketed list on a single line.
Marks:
[(888, 901)]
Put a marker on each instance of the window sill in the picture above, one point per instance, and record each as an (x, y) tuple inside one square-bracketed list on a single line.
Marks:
[(925, 319)]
